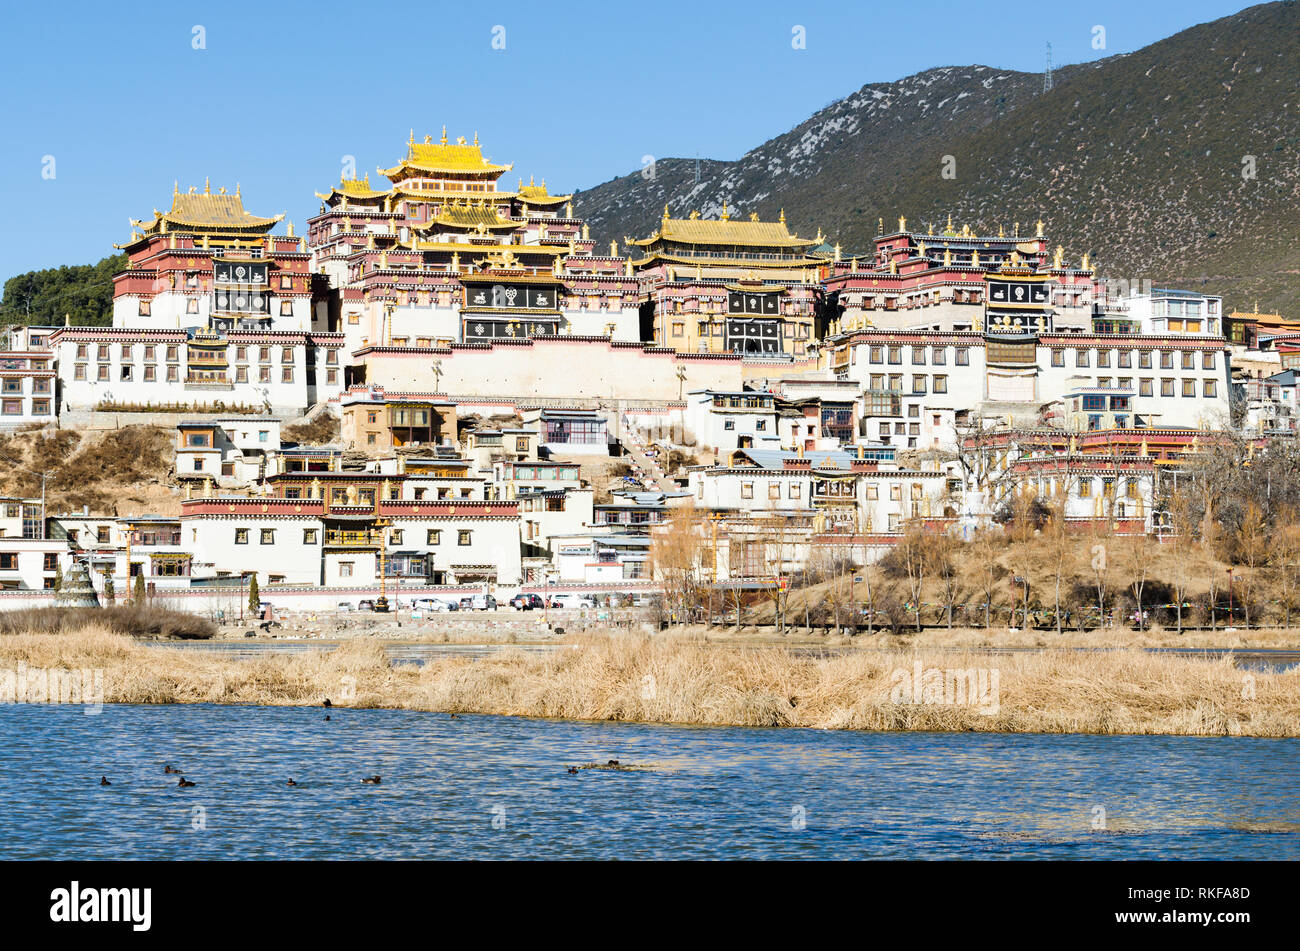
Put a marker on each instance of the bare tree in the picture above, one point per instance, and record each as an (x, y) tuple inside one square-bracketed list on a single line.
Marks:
[(1252, 542), (985, 547)]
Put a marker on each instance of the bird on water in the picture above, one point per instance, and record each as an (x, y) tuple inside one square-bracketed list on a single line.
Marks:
[(185, 783)]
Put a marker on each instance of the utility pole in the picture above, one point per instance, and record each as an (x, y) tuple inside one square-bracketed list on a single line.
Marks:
[(1047, 74)]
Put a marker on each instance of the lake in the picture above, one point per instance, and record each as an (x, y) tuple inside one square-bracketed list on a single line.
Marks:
[(498, 788)]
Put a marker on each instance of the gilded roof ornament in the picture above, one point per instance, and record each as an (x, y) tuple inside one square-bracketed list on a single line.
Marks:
[(1039, 233)]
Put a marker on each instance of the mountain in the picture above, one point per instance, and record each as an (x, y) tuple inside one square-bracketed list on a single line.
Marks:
[(1136, 159)]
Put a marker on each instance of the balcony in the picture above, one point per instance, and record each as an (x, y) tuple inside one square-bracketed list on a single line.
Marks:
[(344, 538)]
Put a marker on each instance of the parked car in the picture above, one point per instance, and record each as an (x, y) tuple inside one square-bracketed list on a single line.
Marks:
[(527, 602), (483, 602), (345, 606), (435, 604), (562, 602), (466, 603), (365, 604)]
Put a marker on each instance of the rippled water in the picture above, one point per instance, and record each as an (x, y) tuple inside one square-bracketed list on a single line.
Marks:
[(497, 787)]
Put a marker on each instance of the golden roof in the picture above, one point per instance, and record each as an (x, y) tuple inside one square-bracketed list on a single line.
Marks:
[(538, 195), (468, 216), (429, 156), (355, 188), (695, 230), (205, 211)]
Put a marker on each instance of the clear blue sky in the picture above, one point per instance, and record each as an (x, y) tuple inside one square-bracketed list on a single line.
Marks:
[(119, 97)]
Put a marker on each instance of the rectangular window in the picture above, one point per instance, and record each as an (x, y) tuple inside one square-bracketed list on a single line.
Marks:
[(1144, 359), (940, 356), (1189, 387), (1211, 389), (1145, 387), (963, 356), (241, 536), (79, 371), (268, 536), (1207, 361), (464, 537), (8, 561), (173, 374), (1081, 358), (1058, 358), (309, 536), (918, 356), (1167, 360), (40, 407), (1103, 358), (746, 490), (433, 537), (941, 384), (1166, 387), (1126, 358), (12, 408), (345, 569), (150, 373), (774, 490)]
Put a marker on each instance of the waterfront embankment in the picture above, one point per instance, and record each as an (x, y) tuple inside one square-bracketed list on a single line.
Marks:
[(667, 679)]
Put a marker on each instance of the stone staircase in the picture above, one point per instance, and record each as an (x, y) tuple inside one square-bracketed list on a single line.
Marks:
[(646, 469)]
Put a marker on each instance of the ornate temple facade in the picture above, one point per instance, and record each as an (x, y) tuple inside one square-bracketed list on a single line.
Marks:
[(729, 286), (208, 264), (441, 254), (961, 280)]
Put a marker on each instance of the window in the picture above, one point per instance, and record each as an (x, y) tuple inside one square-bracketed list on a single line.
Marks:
[(395, 536), (101, 536), (877, 354), (464, 537), (794, 490), (1081, 358), (1126, 358), (8, 561), (1144, 359), (150, 373), (1166, 387), (1103, 358), (241, 374), (198, 463), (143, 310), (51, 561), (1189, 387), (173, 374), (1058, 358), (345, 569), (760, 425), (963, 356), (1167, 360), (918, 356), (941, 384), (263, 374), (1207, 361), (1145, 387), (1085, 488), (896, 493), (101, 372), (433, 537), (746, 490), (79, 371), (286, 375), (940, 356), (268, 536), (918, 383), (241, 536), (729, 424), (11, 408), (286, 308), (309, 536), (895, 354), (172, 353), (774, 490), (1210, 388)]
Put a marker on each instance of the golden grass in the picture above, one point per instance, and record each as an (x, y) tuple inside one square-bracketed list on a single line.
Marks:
[(681, 680), (1002, 636)]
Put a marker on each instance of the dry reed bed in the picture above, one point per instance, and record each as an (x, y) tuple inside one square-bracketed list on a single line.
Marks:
[(678, 680)]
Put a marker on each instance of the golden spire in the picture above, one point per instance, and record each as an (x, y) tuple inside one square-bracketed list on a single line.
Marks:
[(476, 136), (782, 218), (1001, 231), (902, 223), (531, 181), (975, 258), (613, 249), (291, 229), (1040, 228), (207, 189), (753, 216), (1085, 261), (724, 216), (444, 135), (411, 140), (176, 186), (665, 212), (837, 251), (1056, 258)]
